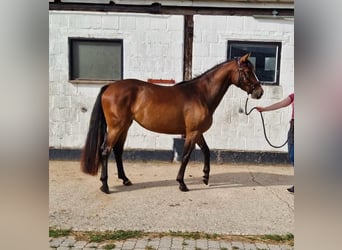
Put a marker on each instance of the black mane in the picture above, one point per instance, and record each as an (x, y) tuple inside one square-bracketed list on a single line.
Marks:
[(206, 72)]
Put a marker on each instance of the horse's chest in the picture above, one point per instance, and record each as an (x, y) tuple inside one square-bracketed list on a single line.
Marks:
[(199, 120)]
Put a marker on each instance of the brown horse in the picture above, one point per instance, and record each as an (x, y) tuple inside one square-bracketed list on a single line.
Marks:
[(186, 108)]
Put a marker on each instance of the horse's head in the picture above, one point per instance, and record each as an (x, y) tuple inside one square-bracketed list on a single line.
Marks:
[(245, 77)]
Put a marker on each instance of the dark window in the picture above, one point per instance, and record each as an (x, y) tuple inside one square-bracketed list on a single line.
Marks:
[(95, 59), (265, 57)]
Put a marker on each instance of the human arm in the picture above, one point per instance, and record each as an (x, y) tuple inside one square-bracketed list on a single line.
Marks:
[(283, 103)]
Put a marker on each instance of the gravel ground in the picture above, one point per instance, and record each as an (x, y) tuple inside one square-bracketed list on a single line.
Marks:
[(240, 199)]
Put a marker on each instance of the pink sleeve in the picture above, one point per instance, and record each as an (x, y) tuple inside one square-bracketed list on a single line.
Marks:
[(291, 97), (292, 102)]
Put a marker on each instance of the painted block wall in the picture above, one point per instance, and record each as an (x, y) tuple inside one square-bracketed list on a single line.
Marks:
[(233, 130), (153, 48)]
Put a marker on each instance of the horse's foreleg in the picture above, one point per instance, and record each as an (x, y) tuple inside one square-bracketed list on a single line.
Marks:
[(118, 150), (188, 147), (206, 152), (104, 173)]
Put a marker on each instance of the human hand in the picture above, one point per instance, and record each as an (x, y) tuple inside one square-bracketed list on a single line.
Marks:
[(260, 109)]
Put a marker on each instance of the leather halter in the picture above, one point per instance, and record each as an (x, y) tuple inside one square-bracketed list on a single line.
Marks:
[(243, 75)]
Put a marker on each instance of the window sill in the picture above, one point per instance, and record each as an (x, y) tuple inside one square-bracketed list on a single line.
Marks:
[(92, 81), (269, 83)]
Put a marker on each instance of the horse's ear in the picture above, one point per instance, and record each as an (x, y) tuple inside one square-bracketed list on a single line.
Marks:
[(245, 57)]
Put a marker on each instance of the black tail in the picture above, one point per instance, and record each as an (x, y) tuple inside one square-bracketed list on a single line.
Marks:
[(91, 155)]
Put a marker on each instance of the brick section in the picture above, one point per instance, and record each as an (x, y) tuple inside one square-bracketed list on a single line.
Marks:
[(161, 81), (164, 243)]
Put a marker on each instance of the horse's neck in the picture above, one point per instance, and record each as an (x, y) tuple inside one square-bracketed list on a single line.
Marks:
[(218, 84)]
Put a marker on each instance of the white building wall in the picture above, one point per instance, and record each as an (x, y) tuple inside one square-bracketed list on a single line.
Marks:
[(233, 130), (153, 48)]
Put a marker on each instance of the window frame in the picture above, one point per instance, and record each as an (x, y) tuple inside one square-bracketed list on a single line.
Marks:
[(251, 42), (70, 57)]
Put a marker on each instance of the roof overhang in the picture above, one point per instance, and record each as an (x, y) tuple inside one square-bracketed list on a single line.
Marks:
[(267, 8)]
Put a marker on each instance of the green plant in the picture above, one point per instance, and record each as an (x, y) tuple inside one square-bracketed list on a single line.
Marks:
[(149, 248), (114, 235), (55, 233), (279, 238), (109, 246), (123, 235), (192, 235)]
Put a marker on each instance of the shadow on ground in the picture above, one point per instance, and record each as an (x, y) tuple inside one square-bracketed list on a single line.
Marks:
[(216, 181)]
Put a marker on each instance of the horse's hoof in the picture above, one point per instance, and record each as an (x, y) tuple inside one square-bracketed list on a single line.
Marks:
[(105, 189), (183, 188), (127, 183), (205, 180)]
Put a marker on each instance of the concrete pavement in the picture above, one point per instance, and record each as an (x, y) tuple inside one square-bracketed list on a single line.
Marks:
[(240, 200)]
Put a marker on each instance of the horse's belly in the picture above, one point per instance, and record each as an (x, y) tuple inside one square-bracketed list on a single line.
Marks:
[(162, 122), (165, 130)]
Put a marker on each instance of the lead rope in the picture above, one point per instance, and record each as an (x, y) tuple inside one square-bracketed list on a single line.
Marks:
[(263, 125)]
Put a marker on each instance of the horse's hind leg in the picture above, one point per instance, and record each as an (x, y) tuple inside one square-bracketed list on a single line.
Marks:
[(118, 150), (206, 152), (110, 139), (104, 170)]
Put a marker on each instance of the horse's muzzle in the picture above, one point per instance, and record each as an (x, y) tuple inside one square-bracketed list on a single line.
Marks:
[(257, 93)]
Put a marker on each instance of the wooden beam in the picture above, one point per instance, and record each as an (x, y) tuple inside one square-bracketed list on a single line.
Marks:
[(188, 41), (157, 8)]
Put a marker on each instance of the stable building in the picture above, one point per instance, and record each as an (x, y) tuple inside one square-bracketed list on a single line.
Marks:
[(164, 42)]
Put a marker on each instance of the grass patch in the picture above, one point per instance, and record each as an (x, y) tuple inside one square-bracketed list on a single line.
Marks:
[(279, 238), (186, 235), (192, 235), (124, 235), (55, 233), (108, 246), (114, 235), (287, 238), (149, 248), (271, 238)]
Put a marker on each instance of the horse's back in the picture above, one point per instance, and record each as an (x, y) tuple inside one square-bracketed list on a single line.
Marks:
[(157, 108), (163, 109)]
